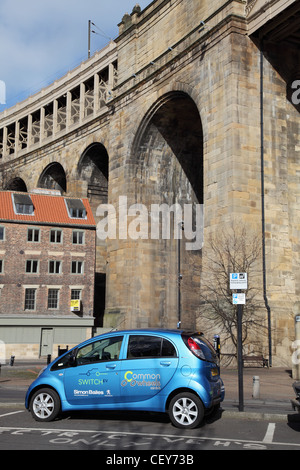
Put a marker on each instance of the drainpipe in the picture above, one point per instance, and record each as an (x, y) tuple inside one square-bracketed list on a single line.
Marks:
[(179, 275), (263, 199)]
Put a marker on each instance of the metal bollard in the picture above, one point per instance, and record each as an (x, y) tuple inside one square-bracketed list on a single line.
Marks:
[(12, 360), (48, 359), (256, 387)]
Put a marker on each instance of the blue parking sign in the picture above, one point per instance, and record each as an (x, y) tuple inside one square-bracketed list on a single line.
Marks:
[(238, 281), (238, 299)]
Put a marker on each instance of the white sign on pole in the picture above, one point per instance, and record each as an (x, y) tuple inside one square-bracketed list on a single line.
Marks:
[(238, 281), (239, 299)]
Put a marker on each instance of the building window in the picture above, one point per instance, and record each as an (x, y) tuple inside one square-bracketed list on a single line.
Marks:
[(23, 204), (76, 209), (30, 295), (77, 267), (53, 295), (2, 234), (78, 237), (76, 294), (33, 235), (55, 236), (24, 209), (77, 213), (1, 266), (32, 266), (54, 267)]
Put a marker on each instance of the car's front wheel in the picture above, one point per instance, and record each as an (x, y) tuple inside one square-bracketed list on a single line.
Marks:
[(45, 405), (186, 410)]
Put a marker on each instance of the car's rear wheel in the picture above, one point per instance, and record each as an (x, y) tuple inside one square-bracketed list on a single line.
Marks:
[(45, 405), (186, 410)]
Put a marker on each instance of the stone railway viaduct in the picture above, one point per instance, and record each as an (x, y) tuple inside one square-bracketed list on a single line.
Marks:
[(193, 103)]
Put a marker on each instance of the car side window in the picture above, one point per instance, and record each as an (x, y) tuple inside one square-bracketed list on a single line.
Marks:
[(97, 351), (102, 350), (66, 361), (142, 346), (167, 349)]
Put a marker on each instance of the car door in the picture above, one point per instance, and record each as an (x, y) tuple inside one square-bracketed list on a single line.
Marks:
[(94, 379), (150, 364)]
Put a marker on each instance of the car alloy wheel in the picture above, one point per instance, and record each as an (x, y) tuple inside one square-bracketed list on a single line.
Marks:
[(45, 405), (186, 410)]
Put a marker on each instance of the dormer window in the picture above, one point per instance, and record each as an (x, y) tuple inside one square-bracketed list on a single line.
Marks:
[(76, 209), (23, 204)]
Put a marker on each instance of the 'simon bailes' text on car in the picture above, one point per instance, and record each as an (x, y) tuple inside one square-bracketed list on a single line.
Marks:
[(170, 371)]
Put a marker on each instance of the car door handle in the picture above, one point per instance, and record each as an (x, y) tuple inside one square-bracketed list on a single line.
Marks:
[(111, 366), (165, 363)]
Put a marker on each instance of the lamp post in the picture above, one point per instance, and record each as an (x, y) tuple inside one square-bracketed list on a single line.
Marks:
[(240, 355), (89, 39)]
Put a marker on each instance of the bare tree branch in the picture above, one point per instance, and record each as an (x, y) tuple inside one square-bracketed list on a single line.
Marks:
[(236, 250)]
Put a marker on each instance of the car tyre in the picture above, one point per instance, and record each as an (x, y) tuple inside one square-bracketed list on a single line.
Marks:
[(45, 405), (213, 411), (186, 410)]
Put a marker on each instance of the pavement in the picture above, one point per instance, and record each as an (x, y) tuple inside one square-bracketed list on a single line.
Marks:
[(271, 401)]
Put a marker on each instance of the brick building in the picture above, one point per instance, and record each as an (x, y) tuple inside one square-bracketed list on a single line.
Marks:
[(47, 271)]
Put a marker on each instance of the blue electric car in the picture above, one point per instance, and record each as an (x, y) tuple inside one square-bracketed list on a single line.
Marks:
[(170, 371)]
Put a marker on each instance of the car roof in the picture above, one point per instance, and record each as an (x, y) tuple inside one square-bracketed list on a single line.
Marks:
[(163, 331), (158, 330)]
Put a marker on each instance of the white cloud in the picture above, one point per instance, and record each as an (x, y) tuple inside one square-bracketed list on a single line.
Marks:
[(42, 40)]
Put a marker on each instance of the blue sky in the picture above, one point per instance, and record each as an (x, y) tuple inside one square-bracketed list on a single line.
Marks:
[(40, 40)]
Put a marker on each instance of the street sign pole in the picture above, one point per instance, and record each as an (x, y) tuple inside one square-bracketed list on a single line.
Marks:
[(239, 281), (240, 356)]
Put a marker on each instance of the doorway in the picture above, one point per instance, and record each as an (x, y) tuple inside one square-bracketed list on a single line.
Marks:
[(46, 345)]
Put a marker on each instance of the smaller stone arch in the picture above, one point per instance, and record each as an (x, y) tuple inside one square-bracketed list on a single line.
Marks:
[(53, 177), (93, 173), (16, 184), (93, 168)]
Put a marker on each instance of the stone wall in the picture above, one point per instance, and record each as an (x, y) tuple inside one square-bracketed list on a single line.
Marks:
[(184, 126)]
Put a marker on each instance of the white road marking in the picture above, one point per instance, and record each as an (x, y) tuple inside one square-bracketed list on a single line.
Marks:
[(12, 413), (268, 439), (69, 434)]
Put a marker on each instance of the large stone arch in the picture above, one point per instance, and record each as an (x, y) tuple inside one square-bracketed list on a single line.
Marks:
[(53, 177), (165, 167), (169, 162), (171, 128)]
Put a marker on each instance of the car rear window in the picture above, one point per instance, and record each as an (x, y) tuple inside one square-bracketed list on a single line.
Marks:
[(149, 346)]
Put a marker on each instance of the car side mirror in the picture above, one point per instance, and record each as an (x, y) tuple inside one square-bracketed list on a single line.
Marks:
[(72, 360)]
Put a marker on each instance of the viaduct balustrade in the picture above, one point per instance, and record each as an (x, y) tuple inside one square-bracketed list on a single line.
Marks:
[(69, 102)]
